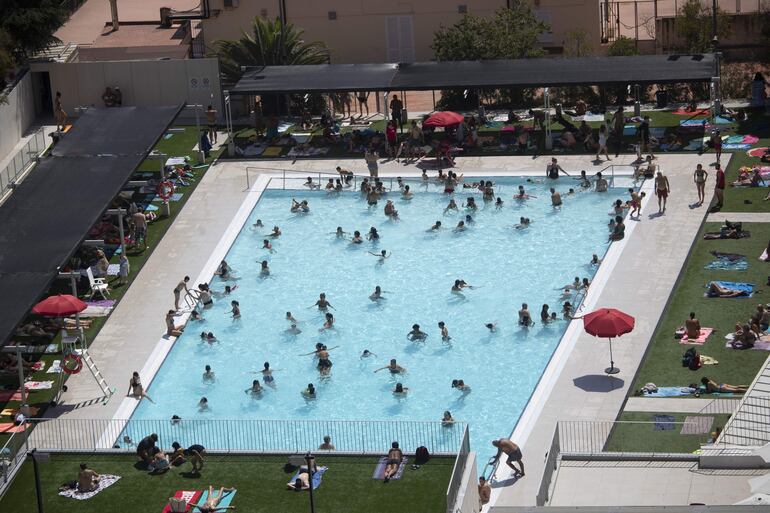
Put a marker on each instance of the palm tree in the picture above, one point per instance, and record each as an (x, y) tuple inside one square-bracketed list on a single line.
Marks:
[(271, 44)]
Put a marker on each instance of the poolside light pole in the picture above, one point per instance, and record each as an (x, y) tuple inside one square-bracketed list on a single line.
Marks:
[(310, 460)]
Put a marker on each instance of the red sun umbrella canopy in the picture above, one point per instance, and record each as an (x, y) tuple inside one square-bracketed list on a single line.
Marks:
[(59, 306), (443, 119), (608, 323)]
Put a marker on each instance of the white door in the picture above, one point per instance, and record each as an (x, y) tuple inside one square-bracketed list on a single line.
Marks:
[(399, 35)]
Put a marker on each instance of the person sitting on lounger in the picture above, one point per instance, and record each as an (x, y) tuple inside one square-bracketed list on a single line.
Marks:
[(716, 290), (712, 386), (211, 504), (88, 480), (394, 461)]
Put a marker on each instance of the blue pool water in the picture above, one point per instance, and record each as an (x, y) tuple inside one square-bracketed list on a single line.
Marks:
[(506, 266)]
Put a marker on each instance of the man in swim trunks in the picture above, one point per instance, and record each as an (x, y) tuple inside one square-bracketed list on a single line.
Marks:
[(525, 319), (636, 204), (601, 183), (662, 190), (719, 187), (393, 367), (322, 303), (393, 462), (555, 198), (513, 452)]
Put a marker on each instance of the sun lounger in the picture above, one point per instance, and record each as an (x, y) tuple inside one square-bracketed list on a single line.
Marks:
[(379, 470)]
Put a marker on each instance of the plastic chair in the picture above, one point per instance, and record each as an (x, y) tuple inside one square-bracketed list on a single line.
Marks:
[(97, 285)]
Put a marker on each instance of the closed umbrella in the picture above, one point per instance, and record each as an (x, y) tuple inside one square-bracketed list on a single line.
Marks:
[(443, 119), (61, 305), (608, 323)]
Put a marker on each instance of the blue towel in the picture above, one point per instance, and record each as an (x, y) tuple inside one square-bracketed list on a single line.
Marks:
[(736, 146), (722, 121), (316, 476), (629, 130), (746, 287), (227, 498), (663, 422), (671, 392), (728, 265), (734, 139), (693, 122)]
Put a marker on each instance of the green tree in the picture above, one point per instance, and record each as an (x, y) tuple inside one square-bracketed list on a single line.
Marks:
[(622, 46), (577, 43), (694, 25), (267, 45), (30, 24), (510, 34)]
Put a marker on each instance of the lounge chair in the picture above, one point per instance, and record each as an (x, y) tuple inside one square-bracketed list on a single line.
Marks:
[(97, 285)]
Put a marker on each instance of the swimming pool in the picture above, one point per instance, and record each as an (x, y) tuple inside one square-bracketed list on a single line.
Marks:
[(506, 266)]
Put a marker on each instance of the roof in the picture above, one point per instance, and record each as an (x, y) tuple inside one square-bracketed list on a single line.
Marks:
[(640, 69), (48, 215)]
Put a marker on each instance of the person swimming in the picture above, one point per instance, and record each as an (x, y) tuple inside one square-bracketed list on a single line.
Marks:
[(264, 270), (377, 295), (309, 392), (436, 227), (468, 219), (266, 245), (444, 332), (373, 235), (595, 260), (461, 386), (208, 374), (276, 232), (416, 334), (267, 373), (470, 204), (356, 238), (499, 203), (322, 303), (208, 337), (400, 389), (393, 367), (329, 323), (324, 363), (491, 326), (451, 206), (236, 309), (255, 389), (382, 255), (460, 227), (524, 222), (366, 354), (339, 233), (203, 404), (290, 318)]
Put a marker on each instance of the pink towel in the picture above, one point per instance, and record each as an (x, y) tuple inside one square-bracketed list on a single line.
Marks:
[(10, 395), (750, 139), (10, 427), (704, 334)]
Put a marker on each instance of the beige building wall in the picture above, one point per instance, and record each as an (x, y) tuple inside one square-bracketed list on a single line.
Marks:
[(380, 31)]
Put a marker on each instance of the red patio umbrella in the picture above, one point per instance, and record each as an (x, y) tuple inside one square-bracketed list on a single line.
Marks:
[(59, 306), (608, 323), (443, 119)]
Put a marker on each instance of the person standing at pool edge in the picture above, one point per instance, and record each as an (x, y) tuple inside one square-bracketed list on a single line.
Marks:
[(699, 177), (662, 190), (719, 187), (182, 285), (513, 452)]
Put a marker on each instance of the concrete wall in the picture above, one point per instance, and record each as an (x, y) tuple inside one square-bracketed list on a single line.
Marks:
[(746, 29), (468, 496), (143, 83), (17, 115), (362, 28)]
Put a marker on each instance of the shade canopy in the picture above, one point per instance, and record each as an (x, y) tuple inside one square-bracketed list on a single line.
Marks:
[(608, 323), (546, 72), (59, 306), (442, 119)]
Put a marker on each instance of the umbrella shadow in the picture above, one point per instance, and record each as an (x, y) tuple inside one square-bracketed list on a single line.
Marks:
[(598, 383)]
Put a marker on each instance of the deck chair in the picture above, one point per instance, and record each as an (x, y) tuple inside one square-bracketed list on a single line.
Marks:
[(97, 285)]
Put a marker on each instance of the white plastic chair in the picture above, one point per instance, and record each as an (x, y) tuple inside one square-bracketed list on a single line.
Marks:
[(97, 285)]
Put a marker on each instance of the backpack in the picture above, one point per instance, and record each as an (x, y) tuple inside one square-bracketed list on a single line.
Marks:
[(421, 455), (688, 356)]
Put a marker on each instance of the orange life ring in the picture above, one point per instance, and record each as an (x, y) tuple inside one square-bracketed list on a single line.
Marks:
[(165, 190), (71, 364)]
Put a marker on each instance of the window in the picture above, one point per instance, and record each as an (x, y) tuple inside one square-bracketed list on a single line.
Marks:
[(462, 9), (332, 15), (400, 39), (545, 16)]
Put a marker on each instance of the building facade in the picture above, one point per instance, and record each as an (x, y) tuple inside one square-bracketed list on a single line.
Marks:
[(361, 31)]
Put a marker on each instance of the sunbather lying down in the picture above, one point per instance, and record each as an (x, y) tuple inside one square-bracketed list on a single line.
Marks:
[(716, 290), (712, 386), (726, 234), (211, 504), (301, 483)]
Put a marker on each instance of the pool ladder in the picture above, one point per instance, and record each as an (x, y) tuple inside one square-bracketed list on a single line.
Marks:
[(191, 299)]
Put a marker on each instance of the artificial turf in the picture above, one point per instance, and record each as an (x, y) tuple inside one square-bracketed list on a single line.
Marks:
[(662, 363), (179, 144), (260, 480), (638, 433)]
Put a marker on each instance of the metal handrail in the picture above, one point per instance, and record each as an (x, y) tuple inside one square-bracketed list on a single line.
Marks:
[(191, 298), (19, 166)]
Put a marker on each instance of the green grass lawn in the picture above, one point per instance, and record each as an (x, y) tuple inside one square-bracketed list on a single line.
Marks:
[(662, 363), (645, 438), (260, 481), (180, 144)]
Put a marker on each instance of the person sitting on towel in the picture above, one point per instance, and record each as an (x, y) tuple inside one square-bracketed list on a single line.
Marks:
[(394, 461), (743, 338), (692, 327), (716, 290), (88, 480)]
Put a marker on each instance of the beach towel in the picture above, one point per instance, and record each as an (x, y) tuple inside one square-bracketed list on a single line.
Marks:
[(697, 112), (189, 496), (694, 123), (38, 385), (113, 269), (763, 256), (671, 392), (105, 482), (379, 470), (52, 348), (719, 120), (728, 265), (748, 288), (10, 395), (227, 498), (9, 427), (757, 152), (663, 422), (252, 150), (736, 146), (149, 208), (759, 345), (176, 161), (696, 144), (589, 117), (734, 139), (696, 425), (272, 151), (750, 139), (55, 367), (743, 234), (704, 334), (283, 127), (301, 138), (9, 412), (317, 476), (629, 130)]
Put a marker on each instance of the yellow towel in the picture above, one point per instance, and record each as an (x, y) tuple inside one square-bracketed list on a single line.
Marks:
[(272, 151)]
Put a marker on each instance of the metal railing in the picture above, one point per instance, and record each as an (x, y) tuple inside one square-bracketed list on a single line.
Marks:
[(12, 455), (17, 168), (457, 472), (551, 464), (248, 435), (191, 298), (750, 423), (586, 438)]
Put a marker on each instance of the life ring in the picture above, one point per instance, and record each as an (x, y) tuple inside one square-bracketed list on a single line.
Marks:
[(165, 190), (71, 364)]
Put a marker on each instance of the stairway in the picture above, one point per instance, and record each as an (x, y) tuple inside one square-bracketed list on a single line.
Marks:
[(750, 423), (107, 390)]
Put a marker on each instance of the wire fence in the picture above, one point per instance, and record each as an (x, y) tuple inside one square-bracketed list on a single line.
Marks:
[(15, 171), (248, 435)]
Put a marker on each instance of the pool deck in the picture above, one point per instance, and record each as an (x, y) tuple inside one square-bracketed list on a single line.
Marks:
[(202, 233)]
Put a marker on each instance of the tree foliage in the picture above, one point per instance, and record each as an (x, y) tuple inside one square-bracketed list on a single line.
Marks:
[(510, 34), (622, 46), (30, 24), (577, 43), (267, 45), (694, 25)]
